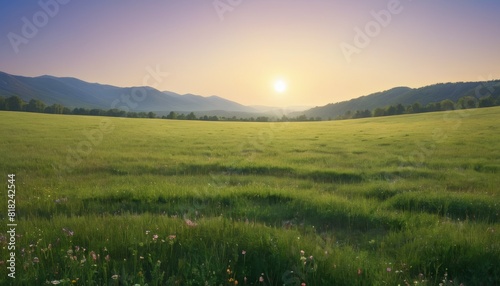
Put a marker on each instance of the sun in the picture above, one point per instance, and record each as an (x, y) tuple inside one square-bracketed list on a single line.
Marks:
[(280, 86)]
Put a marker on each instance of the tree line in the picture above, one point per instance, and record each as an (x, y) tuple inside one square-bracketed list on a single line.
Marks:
[(15, 103), (465, 102), (192, 116)]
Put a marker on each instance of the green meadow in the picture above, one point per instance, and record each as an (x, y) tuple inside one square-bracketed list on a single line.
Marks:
[(401, 200)]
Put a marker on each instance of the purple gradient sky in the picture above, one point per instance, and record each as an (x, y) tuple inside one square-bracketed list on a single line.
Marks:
[(239, 58)]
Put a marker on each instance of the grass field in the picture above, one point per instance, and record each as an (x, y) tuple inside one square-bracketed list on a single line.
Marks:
[(399, 200)]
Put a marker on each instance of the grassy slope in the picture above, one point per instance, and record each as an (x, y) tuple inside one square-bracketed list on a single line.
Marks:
[(417, 194)]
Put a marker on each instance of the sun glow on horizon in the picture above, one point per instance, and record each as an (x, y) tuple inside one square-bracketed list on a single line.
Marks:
[(280, 86)]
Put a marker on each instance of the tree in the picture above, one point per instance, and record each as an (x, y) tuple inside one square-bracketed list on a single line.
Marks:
[(391, 110), (66, 110), (2, 103), (487, 101), (172, 115), (467, 102), (362, 114), (302, 118), (378, 112), (400, 109), (115, 112), (347, 115), (151, 114), (97, 112), (447, 105), (54, 109), (417, 107), (14, 103), (262, 119), (35, 105), (433, 106), (80, 111), (191, 116)]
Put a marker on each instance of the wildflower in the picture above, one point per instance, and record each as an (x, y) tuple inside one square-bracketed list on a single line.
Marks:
[(55, 282), (302, 253), (73, 281), (35, 259), (243, 252), (303, 284), (190, 223), (389, 269), (93, 255), (261, 279), (147, 232), (114, 277), (107, 258), (155, 237), (172, 236), (68, 231), (360, 271), (236, 282)]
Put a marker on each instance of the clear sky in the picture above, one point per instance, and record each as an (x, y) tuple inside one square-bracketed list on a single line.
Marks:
[(323, 51)]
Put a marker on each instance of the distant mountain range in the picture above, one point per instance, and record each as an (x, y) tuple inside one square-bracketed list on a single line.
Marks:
[(72, 92)]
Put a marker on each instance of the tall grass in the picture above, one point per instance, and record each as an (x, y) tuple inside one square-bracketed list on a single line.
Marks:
[(380, 201)]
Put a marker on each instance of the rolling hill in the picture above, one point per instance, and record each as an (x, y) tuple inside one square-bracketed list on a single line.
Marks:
[(406, 96), (72, 92)]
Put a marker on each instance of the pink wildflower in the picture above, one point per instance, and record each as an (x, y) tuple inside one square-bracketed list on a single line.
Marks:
[(93, 255), (190, 223)]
